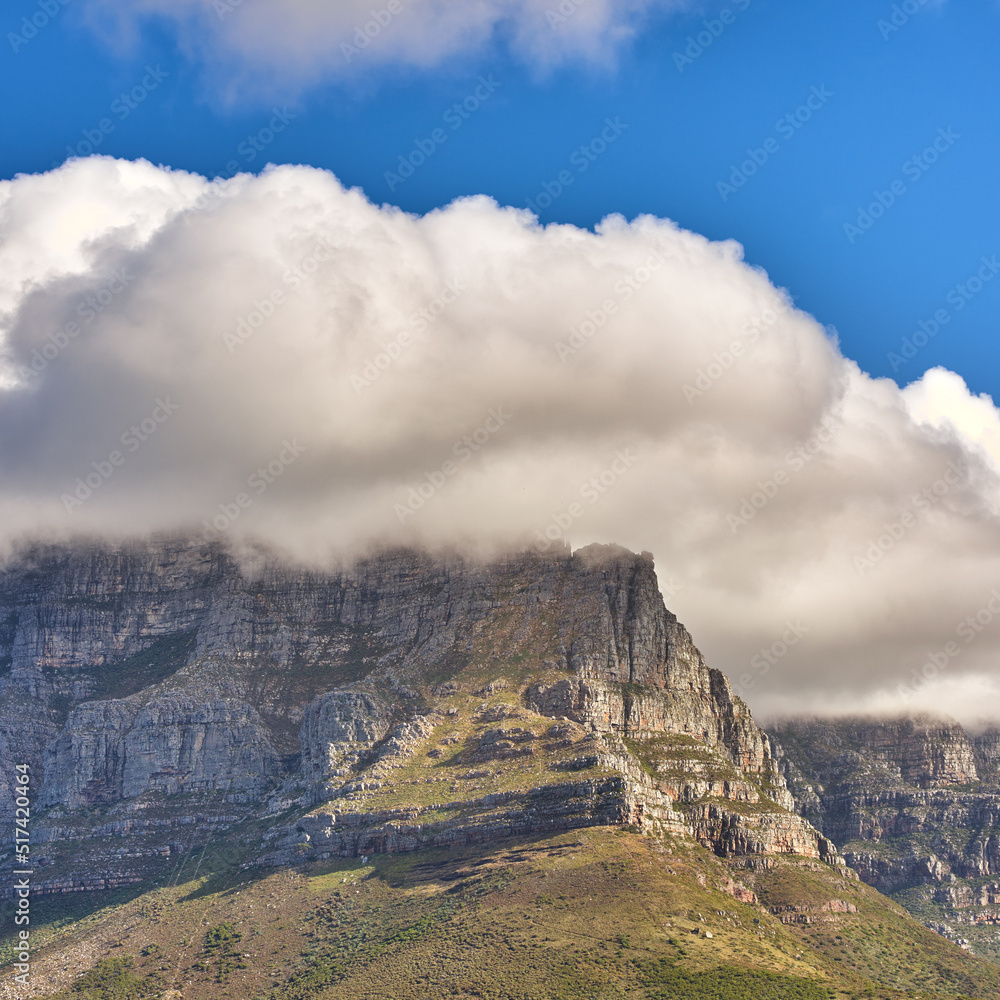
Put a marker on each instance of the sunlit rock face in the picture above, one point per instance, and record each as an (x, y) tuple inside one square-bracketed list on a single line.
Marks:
[(166, 690)]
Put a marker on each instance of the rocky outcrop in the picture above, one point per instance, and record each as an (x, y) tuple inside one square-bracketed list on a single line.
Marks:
[(913, 803), (567, 805), (162, 689), (900, 781), (338, 729), (114, 750)]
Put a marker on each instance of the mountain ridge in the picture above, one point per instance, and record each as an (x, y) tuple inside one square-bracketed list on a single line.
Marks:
[(200, 728), (233, 670)]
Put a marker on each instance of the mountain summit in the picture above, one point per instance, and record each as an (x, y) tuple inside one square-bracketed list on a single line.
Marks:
[(550, 691)]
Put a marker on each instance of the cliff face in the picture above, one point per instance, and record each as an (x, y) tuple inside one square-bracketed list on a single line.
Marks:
[(162, 692), (914, 804)]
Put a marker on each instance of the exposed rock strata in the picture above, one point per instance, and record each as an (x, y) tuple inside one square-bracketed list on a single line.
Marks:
[(914, 804), (163, 691), (918, 779)]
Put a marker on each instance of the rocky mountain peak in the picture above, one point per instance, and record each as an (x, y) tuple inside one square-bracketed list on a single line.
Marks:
[(167, 690)]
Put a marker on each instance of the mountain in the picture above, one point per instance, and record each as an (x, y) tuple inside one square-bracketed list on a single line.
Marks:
[(298, 783), (914, 804)]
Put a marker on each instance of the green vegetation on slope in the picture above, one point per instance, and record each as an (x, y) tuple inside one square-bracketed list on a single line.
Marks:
[(669, 981), (113, 979)]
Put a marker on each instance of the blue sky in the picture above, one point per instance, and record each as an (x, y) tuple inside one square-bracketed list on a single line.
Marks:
[(688, 124)]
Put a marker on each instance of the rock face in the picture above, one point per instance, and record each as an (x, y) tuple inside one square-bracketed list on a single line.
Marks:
[(114, 750), (339, 727), (914, 804), (163, 691)]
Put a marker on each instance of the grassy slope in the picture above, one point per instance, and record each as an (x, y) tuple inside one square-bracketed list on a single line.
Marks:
[(598, 913)]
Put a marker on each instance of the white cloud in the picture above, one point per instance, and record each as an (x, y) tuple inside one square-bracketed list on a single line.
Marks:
[(66, 228), (942, 399), (784, 493), (262, 42)]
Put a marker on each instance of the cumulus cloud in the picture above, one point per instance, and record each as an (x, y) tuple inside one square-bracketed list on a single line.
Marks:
[(300, 41), (942, 400), (275, 356)]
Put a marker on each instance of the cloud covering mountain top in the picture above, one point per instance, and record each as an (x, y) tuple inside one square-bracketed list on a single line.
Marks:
[(274, 355)]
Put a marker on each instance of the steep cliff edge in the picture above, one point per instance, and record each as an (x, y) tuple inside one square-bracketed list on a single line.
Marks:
[(163, 692), (914, 805)]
